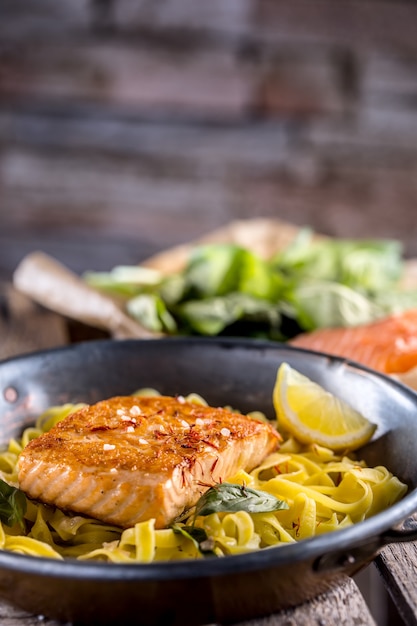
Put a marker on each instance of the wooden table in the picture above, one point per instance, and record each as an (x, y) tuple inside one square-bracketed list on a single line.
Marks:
[(25, 327)]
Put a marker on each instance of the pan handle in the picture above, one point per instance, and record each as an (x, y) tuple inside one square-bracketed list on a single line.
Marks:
[(406, 531), (394, 535), (367, 550)]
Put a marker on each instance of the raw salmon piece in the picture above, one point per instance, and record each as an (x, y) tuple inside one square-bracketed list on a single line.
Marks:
[(388, 345), (129, 459)]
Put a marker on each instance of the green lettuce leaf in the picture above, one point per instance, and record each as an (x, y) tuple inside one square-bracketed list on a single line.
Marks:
[(322, 304), (214, 270), (212, 316), (124, 280), (365, 265), (151, 311)]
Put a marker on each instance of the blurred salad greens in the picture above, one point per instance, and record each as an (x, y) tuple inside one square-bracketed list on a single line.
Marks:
[(226, 289)]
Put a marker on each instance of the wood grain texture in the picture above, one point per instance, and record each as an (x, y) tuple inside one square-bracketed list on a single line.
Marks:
[(128, 127), (398, 566), (10, 616), (343, 606), (25, 327)]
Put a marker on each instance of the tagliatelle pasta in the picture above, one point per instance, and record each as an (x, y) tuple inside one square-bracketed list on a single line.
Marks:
[(324, 492)]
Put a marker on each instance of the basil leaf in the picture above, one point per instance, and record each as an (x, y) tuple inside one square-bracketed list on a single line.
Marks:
[(230, 498), (12, 505), (198, 536)]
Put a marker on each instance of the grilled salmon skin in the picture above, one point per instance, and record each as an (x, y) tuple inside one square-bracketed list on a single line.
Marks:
[(129, 459)]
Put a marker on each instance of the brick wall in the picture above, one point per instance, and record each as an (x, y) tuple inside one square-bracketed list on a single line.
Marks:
[(133, 125)]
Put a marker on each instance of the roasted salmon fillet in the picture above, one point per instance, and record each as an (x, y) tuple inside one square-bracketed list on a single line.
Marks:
[(129, 459)]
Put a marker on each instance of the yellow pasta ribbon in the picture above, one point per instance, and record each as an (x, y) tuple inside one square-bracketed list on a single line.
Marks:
[(30, 546)]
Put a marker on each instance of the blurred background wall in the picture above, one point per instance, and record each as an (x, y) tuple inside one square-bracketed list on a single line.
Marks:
[(127, 126)]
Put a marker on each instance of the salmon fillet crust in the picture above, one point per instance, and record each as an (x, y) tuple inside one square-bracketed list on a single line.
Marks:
[(129, 459)]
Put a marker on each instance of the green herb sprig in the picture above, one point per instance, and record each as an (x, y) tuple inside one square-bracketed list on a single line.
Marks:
[(225, 498), (12, 505), (199, 538)]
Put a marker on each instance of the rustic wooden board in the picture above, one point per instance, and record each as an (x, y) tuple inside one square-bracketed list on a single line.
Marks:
[(398, 566)]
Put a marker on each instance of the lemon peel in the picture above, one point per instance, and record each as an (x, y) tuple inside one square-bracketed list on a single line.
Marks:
[(313, 415)]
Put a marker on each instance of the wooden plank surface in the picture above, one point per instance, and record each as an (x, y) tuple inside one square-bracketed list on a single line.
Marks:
[(398, 566), (180, 116), (25, 327), (94, 191)]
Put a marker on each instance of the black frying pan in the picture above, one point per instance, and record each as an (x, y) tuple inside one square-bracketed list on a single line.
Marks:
[(236, 372)]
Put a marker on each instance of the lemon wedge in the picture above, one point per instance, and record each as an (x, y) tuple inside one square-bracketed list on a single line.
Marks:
[(313, 415)]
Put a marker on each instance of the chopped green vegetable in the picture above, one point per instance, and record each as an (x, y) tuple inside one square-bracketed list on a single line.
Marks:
[(366, 265), (125, 280), (211, 316), (12, 505), (323, 304), (152, 312), (214, 270), (226, 289)]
